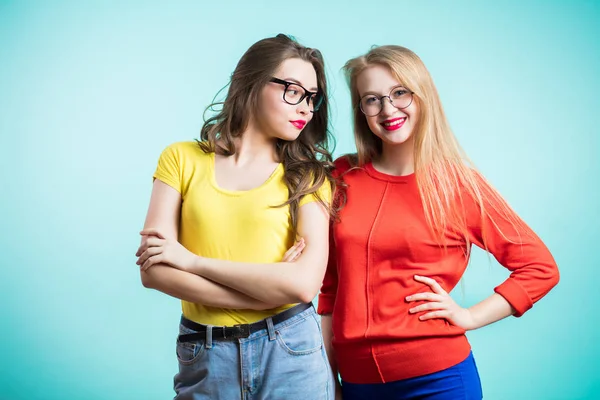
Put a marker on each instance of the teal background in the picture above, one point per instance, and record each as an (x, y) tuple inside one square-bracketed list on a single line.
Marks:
[(91, 92)]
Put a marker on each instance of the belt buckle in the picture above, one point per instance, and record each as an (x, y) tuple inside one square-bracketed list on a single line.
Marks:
[(237, 331)]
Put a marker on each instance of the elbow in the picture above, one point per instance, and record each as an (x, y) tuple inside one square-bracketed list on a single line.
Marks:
[(307, 296), (305, 286), (297, 293), (147, 280), (554, 277), (548, 280), (307, 293)]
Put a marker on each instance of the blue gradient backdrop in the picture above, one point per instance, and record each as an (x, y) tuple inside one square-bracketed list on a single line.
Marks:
[(91, 92)]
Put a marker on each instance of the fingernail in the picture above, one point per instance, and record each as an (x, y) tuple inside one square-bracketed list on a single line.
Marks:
[(407, 298)]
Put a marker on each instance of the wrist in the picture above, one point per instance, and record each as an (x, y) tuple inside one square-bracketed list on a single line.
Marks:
[(197, 266), (474, 321)]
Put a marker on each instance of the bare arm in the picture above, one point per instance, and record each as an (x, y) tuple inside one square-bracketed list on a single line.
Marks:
[(284, 282), (490, 310), (195, 289), (441, 305), (164, 213)]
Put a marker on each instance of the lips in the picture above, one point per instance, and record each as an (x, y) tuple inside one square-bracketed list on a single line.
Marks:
[(393, 124), (300, 123)]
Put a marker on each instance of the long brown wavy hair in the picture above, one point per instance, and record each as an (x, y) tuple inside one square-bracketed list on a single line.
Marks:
[(307, 161), (445, 175)]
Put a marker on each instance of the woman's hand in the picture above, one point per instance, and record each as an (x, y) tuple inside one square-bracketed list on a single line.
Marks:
[(156, 249), (294, 252), (439, 304)]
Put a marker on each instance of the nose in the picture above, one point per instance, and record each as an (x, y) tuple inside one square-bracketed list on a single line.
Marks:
[(387, 107), (303, 108)]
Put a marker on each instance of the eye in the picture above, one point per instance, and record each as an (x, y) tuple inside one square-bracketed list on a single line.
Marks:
[(399, 92), (369, 100), (294, 92)]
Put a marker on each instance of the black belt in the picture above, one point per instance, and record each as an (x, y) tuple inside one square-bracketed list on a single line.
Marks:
[(239, 330)]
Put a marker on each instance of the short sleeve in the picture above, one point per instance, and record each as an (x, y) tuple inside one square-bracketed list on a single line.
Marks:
[(324, 192), (168, 169)]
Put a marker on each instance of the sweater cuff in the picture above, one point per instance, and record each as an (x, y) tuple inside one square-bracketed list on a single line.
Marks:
[(515, 295), (325, 305)]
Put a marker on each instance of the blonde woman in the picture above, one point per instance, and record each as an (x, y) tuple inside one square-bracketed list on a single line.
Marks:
[(411, 209)]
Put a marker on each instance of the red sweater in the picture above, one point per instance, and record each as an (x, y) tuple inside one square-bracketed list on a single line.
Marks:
[(380, 242)]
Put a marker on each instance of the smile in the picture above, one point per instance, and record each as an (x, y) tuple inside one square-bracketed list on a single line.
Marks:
[(393, 124)]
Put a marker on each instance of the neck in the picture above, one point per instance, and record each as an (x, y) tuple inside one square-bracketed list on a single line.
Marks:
[(252, 145), (398, 159)]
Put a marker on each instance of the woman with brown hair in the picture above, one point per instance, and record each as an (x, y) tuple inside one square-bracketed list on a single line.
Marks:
[(412, 208), (222, 214)]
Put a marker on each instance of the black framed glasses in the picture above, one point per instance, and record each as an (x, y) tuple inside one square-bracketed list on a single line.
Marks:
[(400, 97), (294, 93)]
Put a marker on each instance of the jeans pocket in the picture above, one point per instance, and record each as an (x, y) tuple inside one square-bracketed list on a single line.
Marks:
[(301, 338), (188, 352)]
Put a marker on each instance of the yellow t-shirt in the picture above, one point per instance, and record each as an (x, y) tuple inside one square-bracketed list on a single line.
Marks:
[(229, 225)]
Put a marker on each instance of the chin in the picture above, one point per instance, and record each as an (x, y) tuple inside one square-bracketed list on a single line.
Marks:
[(288, 137), (395, 139)]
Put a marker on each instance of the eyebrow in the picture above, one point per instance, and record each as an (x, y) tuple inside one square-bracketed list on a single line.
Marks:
[(312, 89), (389, 90)]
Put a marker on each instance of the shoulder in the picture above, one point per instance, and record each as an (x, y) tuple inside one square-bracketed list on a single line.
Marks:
[(477, 193), (473, 182), (343, 164), (182, 151), (187, 147)]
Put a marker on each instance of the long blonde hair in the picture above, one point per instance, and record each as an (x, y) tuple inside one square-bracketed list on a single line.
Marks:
[(445, 176)]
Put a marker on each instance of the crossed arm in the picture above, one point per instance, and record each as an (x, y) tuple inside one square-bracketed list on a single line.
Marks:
[(170, 268)]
